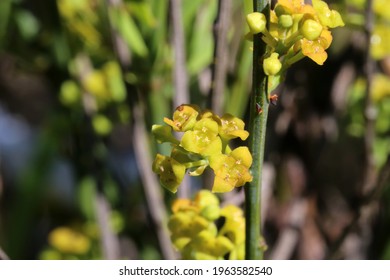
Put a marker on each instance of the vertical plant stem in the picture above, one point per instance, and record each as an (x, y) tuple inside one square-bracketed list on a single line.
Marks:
[(180, 78), (180, 74), (257, 128), (370, 111), (154, 196), (221, 56)]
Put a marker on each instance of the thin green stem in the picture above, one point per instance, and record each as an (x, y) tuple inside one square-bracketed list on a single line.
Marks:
[(257, 127), (268, 39), (196, 163)]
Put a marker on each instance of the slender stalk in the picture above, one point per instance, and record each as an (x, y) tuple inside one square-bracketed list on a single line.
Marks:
[(370, 113), (221, 55), (180, 77), (153, 194), (257, 128)]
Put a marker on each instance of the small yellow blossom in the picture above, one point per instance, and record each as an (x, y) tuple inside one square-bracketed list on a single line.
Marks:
[(67, 240)]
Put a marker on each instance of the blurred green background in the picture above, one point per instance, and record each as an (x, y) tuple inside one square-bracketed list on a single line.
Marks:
[(82, 82)]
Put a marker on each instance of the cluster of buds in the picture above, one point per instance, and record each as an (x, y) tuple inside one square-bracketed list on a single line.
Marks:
[(194, 231), (295, 30), (204, 143)]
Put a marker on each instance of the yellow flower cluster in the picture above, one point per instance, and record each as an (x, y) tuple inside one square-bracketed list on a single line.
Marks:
[(295, 30), (104, 84), (71, 243), (195, 234), (81, 20), (204, 143), (68, 240)]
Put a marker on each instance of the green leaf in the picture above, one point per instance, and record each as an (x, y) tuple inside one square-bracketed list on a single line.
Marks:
[(27, 23), (126, 26), (201, 47), (5, 12), (86, 197), (115, 81), (142, 10)]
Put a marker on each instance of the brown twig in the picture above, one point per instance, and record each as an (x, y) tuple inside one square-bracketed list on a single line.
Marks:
[(180, 74), (221, 55), (370, 111), (180, 78), (151, 186), (110, 243)]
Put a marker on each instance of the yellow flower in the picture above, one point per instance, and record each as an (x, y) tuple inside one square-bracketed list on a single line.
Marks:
[(380, 41), (380, 87), (232, 127), (234, 226), (203, 139), (296, 6), (328, 18), (67, 240), (196, 236), (184, 118), (315, 49), (231, 170), (171, 172)]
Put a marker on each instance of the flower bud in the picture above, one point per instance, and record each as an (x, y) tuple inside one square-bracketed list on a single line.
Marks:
[(272, 65), (101, 124), (311, 29), (70, 93), (286, 21), (256, 22)]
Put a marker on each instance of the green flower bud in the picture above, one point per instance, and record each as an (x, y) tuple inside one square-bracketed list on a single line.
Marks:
[(311, 29), (101, 124), (70, 93), (257, 22), (272, 65), (286, 21)]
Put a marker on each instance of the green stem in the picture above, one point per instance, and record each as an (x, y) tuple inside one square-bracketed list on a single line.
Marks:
[(257, 127), (268, 39), (196, 163)]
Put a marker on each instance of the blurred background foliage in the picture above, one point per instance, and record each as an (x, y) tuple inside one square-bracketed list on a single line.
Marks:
[(82, 81)]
